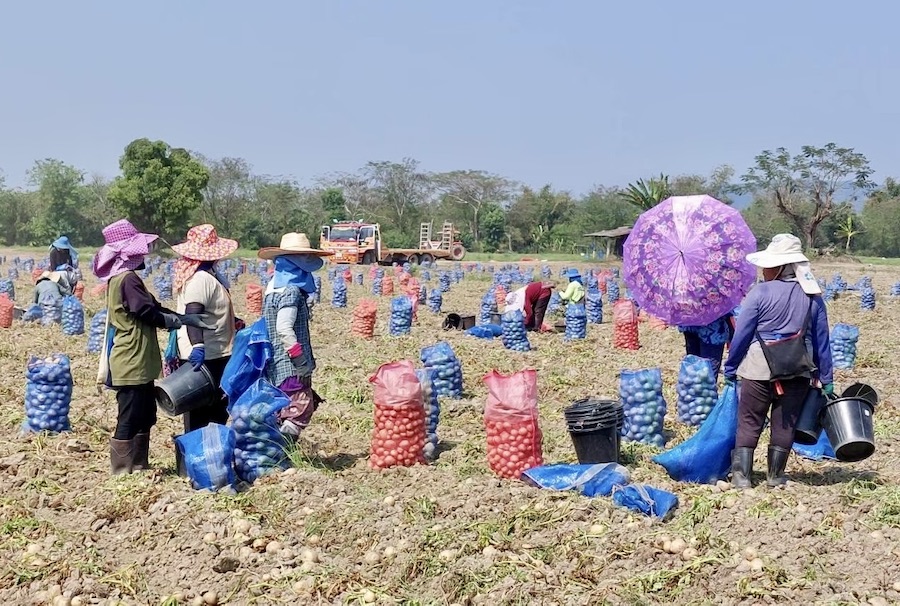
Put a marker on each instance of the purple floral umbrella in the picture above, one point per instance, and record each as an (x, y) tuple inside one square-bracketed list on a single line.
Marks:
[(685, 260)]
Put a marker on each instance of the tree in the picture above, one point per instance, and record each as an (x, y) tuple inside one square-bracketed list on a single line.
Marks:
[(718, 184), (535, 217), (803, 186), (848, 229), (646, 195), (333, 204), (401, 189), (474, 190), (229, 196), (881, 216), (160, 187), (59, 197)]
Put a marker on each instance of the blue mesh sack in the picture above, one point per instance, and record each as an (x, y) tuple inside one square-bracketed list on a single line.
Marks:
[(8, 287), (705, 457), (576, 322), (95, 333), (435, 300), (844, 338), (48, 394), (72, 316), (593, 299), (696, 390), (644, 406), (514, 336), (339, 293), (259, 444), (401, 316), (448, 379), (432, 411)]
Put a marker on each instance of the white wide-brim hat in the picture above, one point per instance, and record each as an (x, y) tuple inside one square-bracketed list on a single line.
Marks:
[(784, 249), (292, 244)]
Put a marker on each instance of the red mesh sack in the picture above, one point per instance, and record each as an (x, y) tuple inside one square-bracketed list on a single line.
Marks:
[(36, 273), (387, 286), (625, 325), (500, 296), (348, 276), (7, 308), (99, 290), (78, 291), (398, 438), (373, 269), (254, 299), (511, 423), (404, 279), (364, 316)]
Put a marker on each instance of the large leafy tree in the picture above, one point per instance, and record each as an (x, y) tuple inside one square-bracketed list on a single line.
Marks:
[(803, 187), (160, 187), (60, 198), (229, 196), (473, 191), (536, 216), (718, 184), (881, 216)]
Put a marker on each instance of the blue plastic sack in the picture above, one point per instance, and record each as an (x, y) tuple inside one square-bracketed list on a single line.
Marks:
[(485, 331), (249, 355), (819, 451), (259, 444), (705, 457), (208, 455), (645, 499), (598, 480)]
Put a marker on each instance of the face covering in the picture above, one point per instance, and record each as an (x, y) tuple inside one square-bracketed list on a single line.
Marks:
[(296, 270)]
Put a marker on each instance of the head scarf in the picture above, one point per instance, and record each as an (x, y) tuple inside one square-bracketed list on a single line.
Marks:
[(296, 270), (62, 243), (802, 274), (183, 271)]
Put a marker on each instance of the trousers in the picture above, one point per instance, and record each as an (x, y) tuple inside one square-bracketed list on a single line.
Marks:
[(538, 312), (757, 398), (137, 410)]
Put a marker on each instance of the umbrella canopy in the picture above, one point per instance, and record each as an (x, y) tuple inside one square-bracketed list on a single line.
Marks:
[(685, 260)]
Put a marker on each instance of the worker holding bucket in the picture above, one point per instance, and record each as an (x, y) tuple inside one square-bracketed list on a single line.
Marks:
[(770, 355)]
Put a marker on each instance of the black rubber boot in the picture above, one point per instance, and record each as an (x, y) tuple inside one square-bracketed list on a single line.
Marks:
[(778, 457), (741, 467), (121, 455), (141, 460)]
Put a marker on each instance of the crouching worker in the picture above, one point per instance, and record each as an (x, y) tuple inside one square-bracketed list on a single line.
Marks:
[(574, 292), (287, 317), (131, 361)]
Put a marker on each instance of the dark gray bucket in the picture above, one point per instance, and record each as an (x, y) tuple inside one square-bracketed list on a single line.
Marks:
[(849, 424), (594, 428), (809, 427), (185, 389)]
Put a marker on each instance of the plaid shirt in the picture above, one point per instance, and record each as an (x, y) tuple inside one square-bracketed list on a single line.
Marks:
[(280, 368)]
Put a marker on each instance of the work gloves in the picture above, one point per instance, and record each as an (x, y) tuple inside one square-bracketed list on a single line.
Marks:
[(295, 353), (197, 357), (176, 321), (828, 390)]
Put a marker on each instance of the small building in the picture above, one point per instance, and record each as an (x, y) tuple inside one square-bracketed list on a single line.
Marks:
[(612, 241)]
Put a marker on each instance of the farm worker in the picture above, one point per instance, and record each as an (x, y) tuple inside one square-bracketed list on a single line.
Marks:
[(787, 304), (574, 292), (64, 258), (197, 290), (48, 287), (709, 341), (130, 360), (286, 311), (537, 297)]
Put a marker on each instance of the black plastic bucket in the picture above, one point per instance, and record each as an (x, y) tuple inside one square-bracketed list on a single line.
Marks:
[(185, 389), (594, 428), (850, 428), (809, 427)]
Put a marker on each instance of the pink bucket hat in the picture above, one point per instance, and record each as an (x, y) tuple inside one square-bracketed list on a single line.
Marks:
[(124, 250)]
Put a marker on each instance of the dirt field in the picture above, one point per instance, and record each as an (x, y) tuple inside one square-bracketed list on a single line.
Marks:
[(331, 530)]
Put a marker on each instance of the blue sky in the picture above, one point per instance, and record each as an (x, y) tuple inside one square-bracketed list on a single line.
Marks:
[(573, 93)]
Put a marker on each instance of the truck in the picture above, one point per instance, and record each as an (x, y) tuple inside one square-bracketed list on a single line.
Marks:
[(358, 242)]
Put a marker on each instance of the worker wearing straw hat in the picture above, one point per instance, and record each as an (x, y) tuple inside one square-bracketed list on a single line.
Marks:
[(198, 290), (130, 360), (770, 355), (287, 316)]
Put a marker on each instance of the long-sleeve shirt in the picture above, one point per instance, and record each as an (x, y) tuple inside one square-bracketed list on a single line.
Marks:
[(574, 292), (533, 293), (777, 310)]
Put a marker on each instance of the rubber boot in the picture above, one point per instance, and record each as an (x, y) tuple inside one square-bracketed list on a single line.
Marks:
[(741, 467), (140, 461), (121, 455), (778, 457)]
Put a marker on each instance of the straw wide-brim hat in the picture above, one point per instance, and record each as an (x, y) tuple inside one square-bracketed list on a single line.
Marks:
[(292, 244), (784, 249), (204, 244)]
